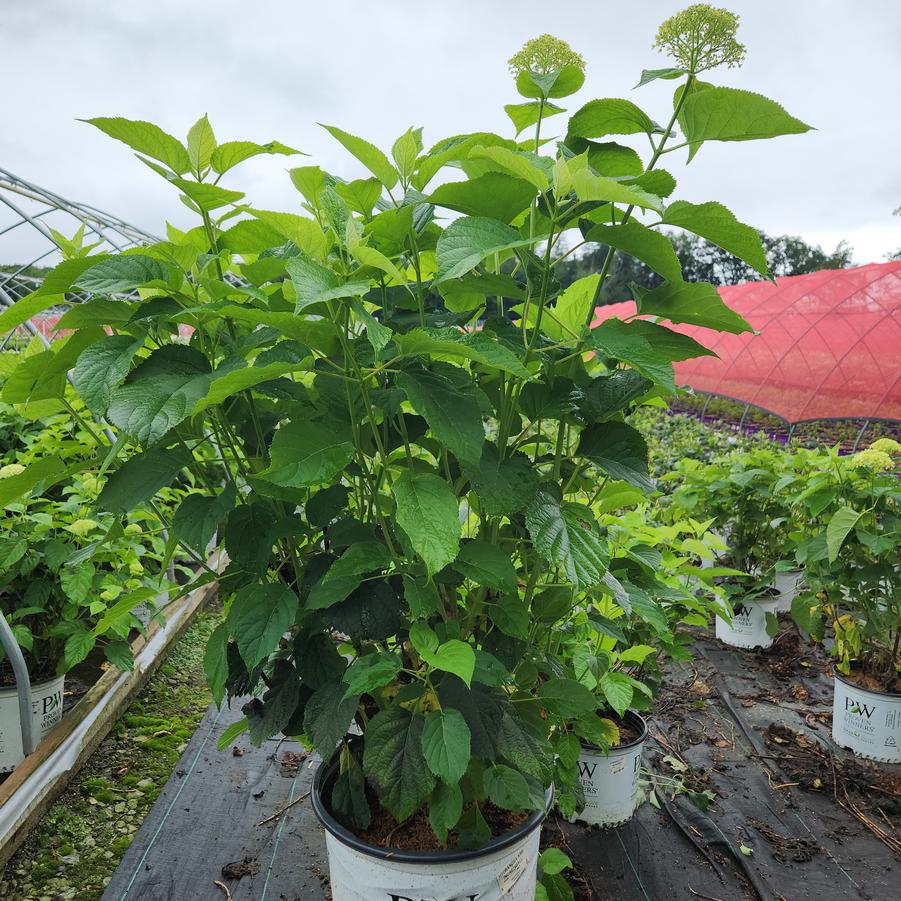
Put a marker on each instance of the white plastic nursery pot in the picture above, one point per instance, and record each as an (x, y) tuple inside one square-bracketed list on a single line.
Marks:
[(47, 707), (867, 722), (610, 780), (748, 626), (506, 868), (788, 584)]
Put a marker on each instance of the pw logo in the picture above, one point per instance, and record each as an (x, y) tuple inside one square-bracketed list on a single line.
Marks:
[(852, 706), (586, 770), (742, 610)]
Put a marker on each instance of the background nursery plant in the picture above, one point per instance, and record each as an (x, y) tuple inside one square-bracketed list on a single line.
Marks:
[(409, 420)]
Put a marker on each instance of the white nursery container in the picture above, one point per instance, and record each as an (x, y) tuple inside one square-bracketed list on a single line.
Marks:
[(610, 780), (867, 722), (506, 868), (788, 584), (748, 626), (47, 709)]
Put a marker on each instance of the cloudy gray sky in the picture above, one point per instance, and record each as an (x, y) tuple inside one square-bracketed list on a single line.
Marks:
[(274, 68)]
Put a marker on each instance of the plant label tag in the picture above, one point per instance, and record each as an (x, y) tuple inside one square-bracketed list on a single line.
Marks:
[(511, 873)]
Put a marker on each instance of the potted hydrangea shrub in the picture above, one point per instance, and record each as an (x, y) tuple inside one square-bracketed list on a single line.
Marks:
[(402, 399), (853, 591)]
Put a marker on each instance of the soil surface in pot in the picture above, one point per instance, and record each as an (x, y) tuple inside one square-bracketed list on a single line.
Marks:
[(871, 683), (415, 833)]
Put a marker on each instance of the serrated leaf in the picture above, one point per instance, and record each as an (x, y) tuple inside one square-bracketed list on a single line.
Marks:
[(259, 615), (328, 716), (146, 138), (368, 154), (486, 564), (371, 671), (446, 744), (78, 645), (566, 698), (610, 116), (346, 573), (506, 787), (445, 808), (618, 690), (468, 240), (393, 759), (837, 530), (612, 393), (651, 247), (198, 516), (76, 581), (497, 195), (566, 319), (553, 861), (694, 303), (215, 662), (123, 273), (201, 143), (620, 450), (566, 536), (428, 512), (522, 115), (503, 487), (141, 477), (101, 368), (306, 453), (229, 154)]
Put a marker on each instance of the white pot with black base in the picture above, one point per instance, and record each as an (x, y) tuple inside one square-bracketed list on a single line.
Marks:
[(748, 628), (47, 711), (866, 722)]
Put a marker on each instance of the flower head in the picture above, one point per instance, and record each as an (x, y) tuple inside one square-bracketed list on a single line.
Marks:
[(886, 445), (11, 469), (701, 37), (544, 54), (873, 459)]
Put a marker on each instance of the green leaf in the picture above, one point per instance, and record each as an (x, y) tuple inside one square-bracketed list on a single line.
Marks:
[(486, 564), (566, 319), (503, 487), (306, 453), (446, 744), (556, 83), (228, 155), (328, 716), (566, 698), (12, 550), (259, 615), (393, 759), (520, 164), (371, 671), (272, 713), (468, 240), (566, 536), (553, 861), (620, 450), (406, 149), (141, 477), (523, 115), (120, 654), (618, 690), (422, 599), (232, 734), (198, 516), (368, 154), (215, 662), (101, 367), (146, 138), (730, 114), (428, 511), (715, 223), (346, 573), (76, 581), (445, 809), (452, 656), (78, 645), (592, 188), (694, 303), (649, 75), (123, 273), (611, 393), (206, 196), (249, 534), (511, 616), (448, 399), (506, 787), (349, 800), (840, 524), (476, 346), (370, 613), (643, 243), (609, 117), (623, 342), (201, 143), (316, 284), (496, 195)]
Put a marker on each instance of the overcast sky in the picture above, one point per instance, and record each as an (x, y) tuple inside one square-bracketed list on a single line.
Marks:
[(272, 69)]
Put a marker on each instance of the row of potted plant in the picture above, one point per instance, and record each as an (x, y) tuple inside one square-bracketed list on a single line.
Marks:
[(816, 533), (423, 450)]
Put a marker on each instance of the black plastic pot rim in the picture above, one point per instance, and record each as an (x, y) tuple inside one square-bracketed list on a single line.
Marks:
[(12, 689), (637, 720), (322, 781), (845, 680)]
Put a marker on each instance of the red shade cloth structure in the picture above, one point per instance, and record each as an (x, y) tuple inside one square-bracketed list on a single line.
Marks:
[(829, 345)]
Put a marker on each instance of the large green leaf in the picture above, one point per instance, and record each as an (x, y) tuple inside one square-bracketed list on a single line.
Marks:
[(198, 516), (611, 393), (346, 573), (592, 188), (328, 716), (446, 744), (307, 453), (619, 450), (694, 303), (566, 536), (566, 697), (618, 690), (371, 671), (370, 613), (141, 477), (729, 114), (315, 283), (645, 244), (229, 154), (623, 342), (258, 617), (123, 273), (215, 662), (506, 787), (496, 195), (393, 759), (840, 524), (146, 138), (566, 319), (520, 164), (368, 154), (101, 367), (428, 511), (448, 399), (480, 347), (486, 564), (610, 116), (503, 487), (468, 240), (717, 224), (452, 656), (522, 115), (445, 809)]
